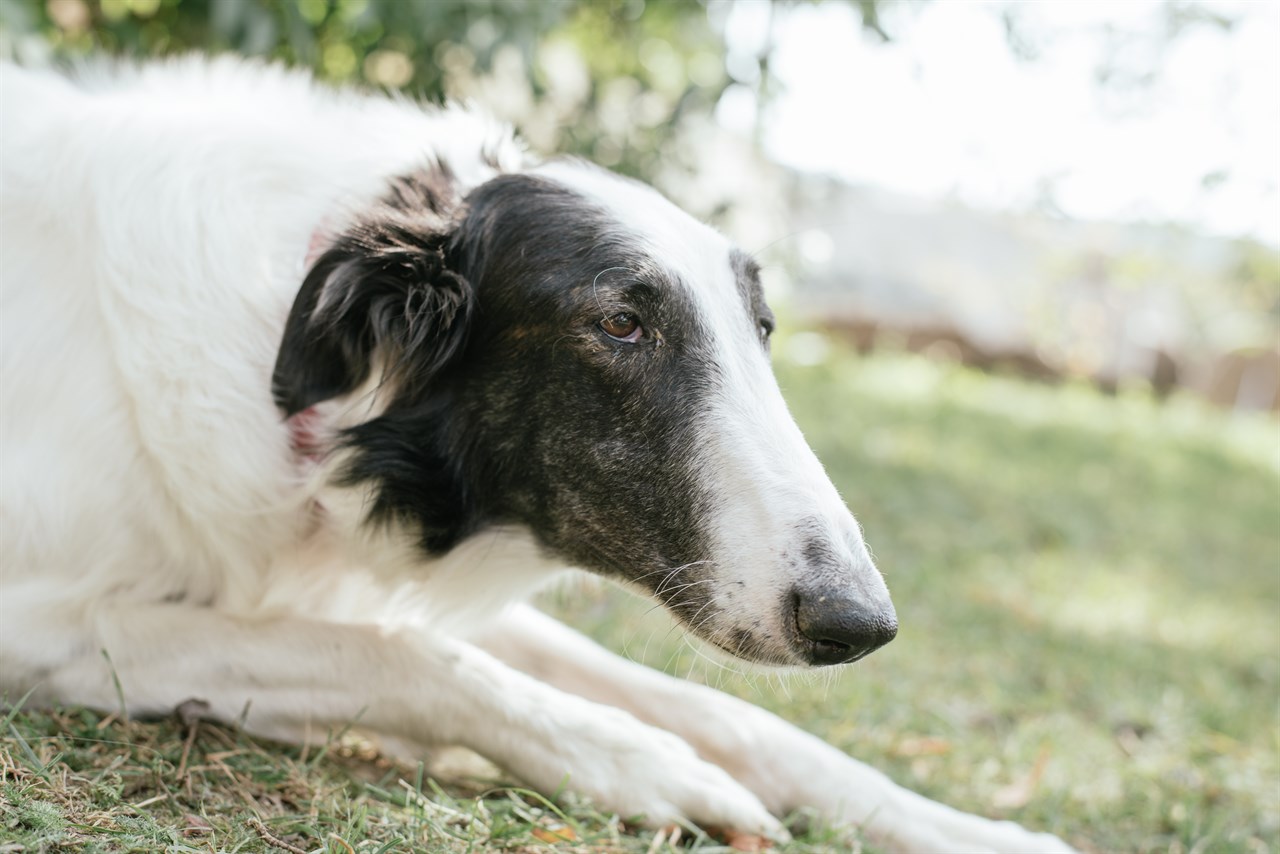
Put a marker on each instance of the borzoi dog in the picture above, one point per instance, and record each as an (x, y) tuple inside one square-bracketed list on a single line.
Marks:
[(302, 388)]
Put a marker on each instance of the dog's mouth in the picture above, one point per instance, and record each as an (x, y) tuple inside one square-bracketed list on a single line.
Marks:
[(818, 620), (791, 645), (790, 649), (752, 643), (756, 643), (753, 648), (789, 639)]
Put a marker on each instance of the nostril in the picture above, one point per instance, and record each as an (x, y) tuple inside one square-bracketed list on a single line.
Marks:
[(837, 628), (829, 650)]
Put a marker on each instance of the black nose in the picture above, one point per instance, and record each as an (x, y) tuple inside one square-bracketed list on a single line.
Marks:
[(838, 628)]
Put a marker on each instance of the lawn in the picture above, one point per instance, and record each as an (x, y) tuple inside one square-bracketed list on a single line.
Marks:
[(1089, 596)]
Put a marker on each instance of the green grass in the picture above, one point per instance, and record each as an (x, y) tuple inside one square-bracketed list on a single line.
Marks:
[(1089, 597)]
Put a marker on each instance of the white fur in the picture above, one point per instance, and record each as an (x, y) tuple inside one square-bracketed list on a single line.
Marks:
[(152, 222)]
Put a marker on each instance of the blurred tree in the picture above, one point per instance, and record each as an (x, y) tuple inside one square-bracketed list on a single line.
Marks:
[(608, 79)]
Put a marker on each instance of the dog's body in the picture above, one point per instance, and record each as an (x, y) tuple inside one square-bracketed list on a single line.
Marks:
[(301, 389)]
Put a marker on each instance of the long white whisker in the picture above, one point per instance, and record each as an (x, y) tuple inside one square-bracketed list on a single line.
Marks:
[(595, 296)]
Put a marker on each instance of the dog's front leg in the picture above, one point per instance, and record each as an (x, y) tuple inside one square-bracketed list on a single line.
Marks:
[(786, 767), (287, 676)]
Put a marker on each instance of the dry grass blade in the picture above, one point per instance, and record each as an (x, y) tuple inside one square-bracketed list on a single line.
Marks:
[(272, 839)]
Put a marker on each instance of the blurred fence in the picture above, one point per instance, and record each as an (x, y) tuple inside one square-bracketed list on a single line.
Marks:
[(1125, 306)]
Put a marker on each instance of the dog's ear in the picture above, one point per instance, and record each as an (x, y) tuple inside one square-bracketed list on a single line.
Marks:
[(384, 293)]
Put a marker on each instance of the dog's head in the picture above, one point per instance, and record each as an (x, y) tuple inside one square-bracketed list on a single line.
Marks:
[(566, 350)]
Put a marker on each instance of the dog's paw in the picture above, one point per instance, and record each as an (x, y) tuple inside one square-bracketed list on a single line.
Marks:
[(655, 778), (674, 784), (1007, 837), (895, 819), (1002, 837)]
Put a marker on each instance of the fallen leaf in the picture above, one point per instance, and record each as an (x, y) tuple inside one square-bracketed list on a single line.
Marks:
[(739, 841), (1019, 793), (562, 833), (196, 825), (922, 746), (747, 841)]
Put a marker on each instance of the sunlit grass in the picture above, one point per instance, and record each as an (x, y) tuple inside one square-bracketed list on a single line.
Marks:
[(1089, 596)]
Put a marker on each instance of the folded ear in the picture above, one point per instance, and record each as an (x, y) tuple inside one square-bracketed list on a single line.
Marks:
[(384, 294)]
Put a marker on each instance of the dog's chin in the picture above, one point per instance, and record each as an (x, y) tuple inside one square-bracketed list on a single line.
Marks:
[(736, 646), (766, 645), (769, 643)]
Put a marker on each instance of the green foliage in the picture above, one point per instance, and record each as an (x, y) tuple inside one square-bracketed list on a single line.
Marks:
[(607, 79), (340, 40), (641, 72), (1258, 278), (647, 73)]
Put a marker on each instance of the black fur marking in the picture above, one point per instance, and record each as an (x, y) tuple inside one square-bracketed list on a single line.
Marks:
[(591, 439), (383, 290), (508, 402), (417, 483)]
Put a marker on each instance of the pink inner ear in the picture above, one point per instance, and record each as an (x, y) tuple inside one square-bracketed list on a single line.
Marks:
[(304, 434), (321, 239)]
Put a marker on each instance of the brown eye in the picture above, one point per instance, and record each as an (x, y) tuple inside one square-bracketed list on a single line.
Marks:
[(623, 326)]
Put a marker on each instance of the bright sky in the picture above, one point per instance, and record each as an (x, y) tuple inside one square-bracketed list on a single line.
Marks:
[(947, 110)]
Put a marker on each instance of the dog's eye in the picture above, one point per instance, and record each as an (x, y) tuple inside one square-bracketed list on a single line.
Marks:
[(766, 328), (623, 327)]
